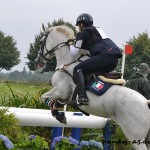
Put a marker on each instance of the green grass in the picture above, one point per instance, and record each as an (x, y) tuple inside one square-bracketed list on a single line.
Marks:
[(21, 95), (18, 88)]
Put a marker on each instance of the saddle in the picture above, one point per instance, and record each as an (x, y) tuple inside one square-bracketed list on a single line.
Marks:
[(113, 75), (114, 78), (99, 84)]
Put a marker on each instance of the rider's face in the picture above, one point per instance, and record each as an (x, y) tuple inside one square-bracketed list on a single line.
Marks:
[(80, 27)]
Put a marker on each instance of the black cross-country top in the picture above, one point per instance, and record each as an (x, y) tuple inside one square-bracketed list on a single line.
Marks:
[(96, 42)]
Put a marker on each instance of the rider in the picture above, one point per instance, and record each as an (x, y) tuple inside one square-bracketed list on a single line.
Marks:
[(104, 53)]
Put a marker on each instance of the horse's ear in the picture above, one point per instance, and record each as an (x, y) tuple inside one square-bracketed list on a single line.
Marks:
[(43, 27)]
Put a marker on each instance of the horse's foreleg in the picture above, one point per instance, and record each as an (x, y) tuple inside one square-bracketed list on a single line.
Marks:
[(53, 94), (50, 99)]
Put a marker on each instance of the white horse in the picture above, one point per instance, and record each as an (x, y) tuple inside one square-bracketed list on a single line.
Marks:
[(125, 106)]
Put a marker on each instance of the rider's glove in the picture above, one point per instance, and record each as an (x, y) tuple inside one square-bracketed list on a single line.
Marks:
[(70, 42)]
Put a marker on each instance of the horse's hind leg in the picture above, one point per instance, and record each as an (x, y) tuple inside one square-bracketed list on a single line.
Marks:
[(140, 147), (134, 127), (137, 141), (135, 135), (147, 140)]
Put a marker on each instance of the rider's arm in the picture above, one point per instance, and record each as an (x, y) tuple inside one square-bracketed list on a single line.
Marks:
[(75, 49), (81, 37)]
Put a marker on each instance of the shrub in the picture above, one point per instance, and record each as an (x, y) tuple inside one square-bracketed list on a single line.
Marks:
[(31, 142), (9, 125)]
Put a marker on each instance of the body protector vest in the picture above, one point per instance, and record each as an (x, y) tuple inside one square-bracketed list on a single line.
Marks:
[(98, 42)]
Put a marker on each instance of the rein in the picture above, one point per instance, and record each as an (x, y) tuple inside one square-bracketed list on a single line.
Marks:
[(63, 68)]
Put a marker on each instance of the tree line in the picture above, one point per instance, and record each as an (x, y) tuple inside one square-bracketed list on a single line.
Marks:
[(25, 76)]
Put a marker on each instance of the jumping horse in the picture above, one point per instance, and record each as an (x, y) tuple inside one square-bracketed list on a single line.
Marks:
[(126, 107)]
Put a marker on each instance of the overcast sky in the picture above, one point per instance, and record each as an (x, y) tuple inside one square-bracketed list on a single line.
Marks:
[(120, 19)]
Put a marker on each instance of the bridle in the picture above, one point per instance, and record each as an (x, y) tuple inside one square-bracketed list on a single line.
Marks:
[(43, 45)]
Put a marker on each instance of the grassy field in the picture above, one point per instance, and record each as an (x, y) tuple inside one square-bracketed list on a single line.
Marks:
[(13, 94), (19, 88)]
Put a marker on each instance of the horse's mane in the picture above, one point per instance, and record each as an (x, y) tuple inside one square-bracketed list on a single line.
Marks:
[(63, 29)]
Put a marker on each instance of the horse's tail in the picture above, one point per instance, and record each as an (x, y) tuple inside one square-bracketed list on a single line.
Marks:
[(148, 102)]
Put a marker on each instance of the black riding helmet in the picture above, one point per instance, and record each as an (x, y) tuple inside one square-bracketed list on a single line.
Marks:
[(84, 18)]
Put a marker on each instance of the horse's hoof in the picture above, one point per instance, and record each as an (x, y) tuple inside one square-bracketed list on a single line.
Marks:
[(54, 112), (64, 120), (61, 118)]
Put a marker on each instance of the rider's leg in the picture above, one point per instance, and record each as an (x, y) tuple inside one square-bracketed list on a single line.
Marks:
[(82, 96), (100, 63)]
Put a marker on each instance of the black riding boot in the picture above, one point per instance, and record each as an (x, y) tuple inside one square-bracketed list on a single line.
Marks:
[(82, 96)]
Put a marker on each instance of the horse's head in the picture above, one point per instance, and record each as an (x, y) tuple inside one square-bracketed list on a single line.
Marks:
[(53, 39)]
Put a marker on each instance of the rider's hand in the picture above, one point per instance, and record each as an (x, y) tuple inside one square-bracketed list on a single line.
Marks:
[(70, 42), (61, 67)]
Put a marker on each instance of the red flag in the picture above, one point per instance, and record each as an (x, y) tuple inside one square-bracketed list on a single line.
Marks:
[(128, 49)]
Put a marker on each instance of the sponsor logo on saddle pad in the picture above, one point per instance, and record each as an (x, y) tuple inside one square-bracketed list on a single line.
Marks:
[(98, 85)]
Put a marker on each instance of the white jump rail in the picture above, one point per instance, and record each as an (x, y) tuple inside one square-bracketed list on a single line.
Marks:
[(42, 117)]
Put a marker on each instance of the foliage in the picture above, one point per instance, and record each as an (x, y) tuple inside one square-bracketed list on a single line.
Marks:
[(9, 125), (64, 143), (9, 55), (33, 51), (88, 134), (141, 54), (29, 96), (92, 144), (31, 142), (12, 99), (5, 143), (35, 47)]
